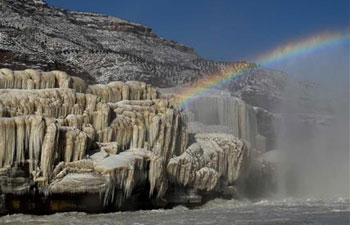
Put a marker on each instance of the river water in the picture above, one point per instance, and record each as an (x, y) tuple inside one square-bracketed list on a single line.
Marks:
[(287, 211)]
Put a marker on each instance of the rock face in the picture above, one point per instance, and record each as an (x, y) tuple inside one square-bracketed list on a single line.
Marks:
[(262, 88), (97, 47), (63, 137)]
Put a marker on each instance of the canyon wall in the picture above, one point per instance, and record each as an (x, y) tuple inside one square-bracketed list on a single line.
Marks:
[(96, 47)]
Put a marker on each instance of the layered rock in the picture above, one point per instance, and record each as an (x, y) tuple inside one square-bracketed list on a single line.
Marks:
[(96, 47)]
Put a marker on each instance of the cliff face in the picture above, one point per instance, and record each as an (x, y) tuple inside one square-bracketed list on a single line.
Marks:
[(98, 47), (63, 136)]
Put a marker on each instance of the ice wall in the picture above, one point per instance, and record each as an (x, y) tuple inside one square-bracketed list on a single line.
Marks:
[(220, 108)]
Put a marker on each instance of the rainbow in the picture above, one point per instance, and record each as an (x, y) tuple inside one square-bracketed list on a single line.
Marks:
[(211, 81), (289, 50), (303, 46)]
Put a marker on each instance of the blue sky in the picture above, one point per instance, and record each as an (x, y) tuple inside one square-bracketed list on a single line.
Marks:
[(226, 29)]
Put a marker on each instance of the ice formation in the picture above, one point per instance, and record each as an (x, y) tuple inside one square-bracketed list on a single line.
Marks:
[(212, 157), (60, 135)]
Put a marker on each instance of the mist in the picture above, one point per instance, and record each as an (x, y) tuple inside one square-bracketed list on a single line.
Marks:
[(314, 137), (313, 130)]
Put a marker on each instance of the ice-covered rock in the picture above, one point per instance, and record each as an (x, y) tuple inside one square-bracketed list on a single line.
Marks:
[(61, 135), (114, 175), (213, 160)]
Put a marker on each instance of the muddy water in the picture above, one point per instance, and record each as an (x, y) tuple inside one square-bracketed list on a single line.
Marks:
[(268, 212)]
